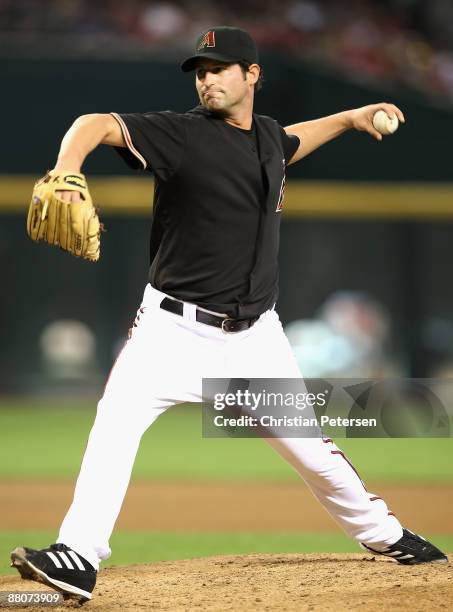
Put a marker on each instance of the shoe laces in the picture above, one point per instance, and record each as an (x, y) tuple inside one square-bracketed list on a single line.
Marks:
[(59, 547)]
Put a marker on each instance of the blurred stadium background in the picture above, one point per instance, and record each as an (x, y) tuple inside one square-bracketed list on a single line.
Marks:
[(366, 240)]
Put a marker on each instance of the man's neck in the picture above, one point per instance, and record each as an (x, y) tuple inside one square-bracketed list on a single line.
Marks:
[(244, 123), (241, 118)]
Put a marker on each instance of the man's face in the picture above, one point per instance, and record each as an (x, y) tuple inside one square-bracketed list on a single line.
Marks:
[(221, 86)]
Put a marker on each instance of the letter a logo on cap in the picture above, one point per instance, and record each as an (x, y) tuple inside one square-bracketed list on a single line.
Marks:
[(208, 40)]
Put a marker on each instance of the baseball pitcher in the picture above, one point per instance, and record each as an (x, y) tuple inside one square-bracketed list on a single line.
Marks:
[(208, 309)]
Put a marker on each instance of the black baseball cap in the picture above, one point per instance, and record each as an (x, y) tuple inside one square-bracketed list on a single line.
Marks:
[(223, 43)]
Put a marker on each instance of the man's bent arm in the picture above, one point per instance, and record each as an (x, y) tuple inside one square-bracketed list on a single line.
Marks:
[(313, 134), (85, 134)]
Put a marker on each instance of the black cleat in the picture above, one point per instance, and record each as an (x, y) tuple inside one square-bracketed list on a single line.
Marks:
[(411, 549), (59, 567)]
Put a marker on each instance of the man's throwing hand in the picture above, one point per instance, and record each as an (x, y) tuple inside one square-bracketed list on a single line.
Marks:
[(362, 118)]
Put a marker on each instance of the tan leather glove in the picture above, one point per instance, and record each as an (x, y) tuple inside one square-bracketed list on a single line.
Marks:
[(73, 226)]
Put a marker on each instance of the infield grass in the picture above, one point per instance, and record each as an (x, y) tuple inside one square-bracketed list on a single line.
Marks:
[(51, 438), (46, 440), (148, 547)]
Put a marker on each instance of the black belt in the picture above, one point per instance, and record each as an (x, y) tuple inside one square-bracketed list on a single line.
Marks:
[(225, 323)]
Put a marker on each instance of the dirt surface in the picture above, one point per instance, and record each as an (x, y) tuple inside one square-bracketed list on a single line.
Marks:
[(283, 582), (266, 582), (214, 507)]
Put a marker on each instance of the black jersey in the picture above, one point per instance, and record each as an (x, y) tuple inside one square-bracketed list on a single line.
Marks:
[(217, 201)]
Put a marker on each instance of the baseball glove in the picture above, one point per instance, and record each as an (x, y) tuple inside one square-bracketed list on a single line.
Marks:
[(73, 226)]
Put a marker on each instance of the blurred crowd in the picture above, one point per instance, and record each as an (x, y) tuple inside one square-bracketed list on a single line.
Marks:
[(399, 42)]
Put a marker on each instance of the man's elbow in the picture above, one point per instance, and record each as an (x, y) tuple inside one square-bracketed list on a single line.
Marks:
[(94, 118), (105, 125)]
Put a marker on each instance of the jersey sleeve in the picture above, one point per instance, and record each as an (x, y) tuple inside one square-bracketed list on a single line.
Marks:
[(290, 144), (154, 141)]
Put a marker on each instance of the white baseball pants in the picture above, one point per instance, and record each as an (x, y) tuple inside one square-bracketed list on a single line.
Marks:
[(163, 364)]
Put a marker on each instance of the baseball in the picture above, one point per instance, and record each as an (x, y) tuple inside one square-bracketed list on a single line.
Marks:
[(383, 124)]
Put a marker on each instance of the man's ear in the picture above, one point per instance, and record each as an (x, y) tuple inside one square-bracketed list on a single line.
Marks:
[(253, 73)]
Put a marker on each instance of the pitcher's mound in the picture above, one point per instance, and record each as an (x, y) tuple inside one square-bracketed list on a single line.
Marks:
[(283, 582)]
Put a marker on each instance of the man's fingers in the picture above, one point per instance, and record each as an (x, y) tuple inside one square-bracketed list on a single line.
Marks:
[(399, 114), (64, 195), (391, 110), (376, 134), (68, 196), (366, 124)]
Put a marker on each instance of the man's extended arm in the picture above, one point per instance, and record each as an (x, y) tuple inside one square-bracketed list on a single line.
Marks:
[(85, 134), (313, 134)]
